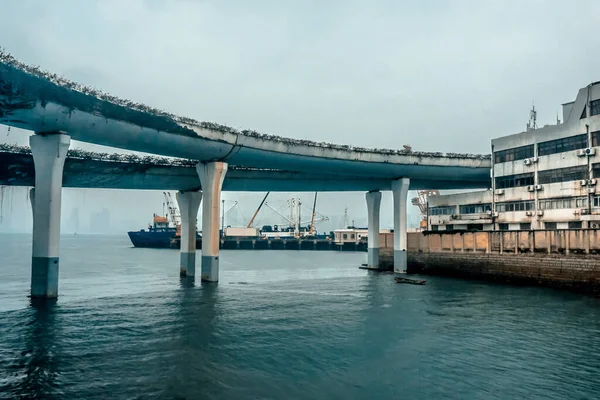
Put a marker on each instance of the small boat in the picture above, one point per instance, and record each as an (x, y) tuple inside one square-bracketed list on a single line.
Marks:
[(411, 281)]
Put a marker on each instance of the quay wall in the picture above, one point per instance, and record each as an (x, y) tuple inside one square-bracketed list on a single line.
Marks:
[(568, 259)]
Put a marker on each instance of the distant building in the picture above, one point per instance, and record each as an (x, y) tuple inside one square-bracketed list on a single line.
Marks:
[(73, 221), (100, 221), (542, 178)]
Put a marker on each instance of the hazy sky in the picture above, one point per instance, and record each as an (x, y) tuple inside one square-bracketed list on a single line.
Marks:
[(438, 75)]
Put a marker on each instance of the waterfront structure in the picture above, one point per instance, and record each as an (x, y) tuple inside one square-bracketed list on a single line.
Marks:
[(542, 178)]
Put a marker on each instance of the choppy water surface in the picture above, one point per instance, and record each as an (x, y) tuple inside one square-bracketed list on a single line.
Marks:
[(283, 325)]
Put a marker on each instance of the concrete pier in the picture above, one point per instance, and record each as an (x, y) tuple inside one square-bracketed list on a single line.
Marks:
[(400, 194), (373, 205), (211, 176), (189, 203), (49, 154)]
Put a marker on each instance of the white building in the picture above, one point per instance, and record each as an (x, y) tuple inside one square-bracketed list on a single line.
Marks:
[(354, 235), (540, 179)]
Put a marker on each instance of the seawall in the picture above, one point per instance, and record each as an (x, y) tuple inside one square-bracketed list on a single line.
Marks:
[(566, 259)]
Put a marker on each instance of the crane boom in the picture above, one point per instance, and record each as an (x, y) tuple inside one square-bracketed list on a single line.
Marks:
[(312, 221), (257, 210), (172, 209)]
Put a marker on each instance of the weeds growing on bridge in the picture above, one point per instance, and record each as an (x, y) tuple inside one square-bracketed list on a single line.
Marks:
[(22, 86)]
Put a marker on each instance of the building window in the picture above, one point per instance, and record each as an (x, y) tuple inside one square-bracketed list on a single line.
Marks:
[(443, 210), (525, 226), (518, 153), (475, 208), (594, 107), (509, 181), (574, 224), (563, 202), (352, 236), (550, 225), (345, 236), (596, 201), (562, 145), (503, 227), (474, 227), (510, 206), (563, 174), (596, 138), (435, 227), (449, 227), (584, 112)]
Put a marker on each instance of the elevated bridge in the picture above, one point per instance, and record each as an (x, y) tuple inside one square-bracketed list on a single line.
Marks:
[(56, 110)]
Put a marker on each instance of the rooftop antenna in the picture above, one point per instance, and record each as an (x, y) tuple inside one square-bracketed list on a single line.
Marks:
[(346, 217), (557, 120), (532, 124)]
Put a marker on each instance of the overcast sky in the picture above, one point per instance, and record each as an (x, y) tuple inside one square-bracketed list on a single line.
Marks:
[(437, 75)]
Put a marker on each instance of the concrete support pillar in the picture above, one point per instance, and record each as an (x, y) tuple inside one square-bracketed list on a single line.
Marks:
[(373, 206), (188, 202), (211, 176), (49, 153), (587, 233), (400, 194)]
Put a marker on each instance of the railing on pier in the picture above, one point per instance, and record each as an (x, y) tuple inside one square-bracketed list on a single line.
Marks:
[(583, 241)]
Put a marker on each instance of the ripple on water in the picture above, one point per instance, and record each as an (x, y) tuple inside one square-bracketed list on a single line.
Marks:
[(309, 326)]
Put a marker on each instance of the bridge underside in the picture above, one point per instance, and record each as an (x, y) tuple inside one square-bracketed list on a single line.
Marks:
[(17, 169)]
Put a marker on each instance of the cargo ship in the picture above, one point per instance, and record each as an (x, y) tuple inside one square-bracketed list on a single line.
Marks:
[(160, 234), (163, 231)]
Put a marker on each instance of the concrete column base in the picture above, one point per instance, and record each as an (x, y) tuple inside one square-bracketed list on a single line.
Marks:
[(44, 277), (210, 268), (372, 257), (400, 261), (187, 263)]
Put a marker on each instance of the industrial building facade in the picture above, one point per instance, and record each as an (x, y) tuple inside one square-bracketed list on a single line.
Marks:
[(546, 178)]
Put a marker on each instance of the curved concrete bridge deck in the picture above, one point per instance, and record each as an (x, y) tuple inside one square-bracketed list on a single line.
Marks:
[(42, 102), (85, 169)]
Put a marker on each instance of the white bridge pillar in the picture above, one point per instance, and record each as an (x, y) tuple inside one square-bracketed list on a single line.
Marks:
[(188, 202), (373, 206), (211, 176), (49, 153), (400, 192)]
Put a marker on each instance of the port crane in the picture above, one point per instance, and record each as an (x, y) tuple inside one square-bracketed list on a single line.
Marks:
[(172, 210), (257, 210), (295, 217), (422, 201)]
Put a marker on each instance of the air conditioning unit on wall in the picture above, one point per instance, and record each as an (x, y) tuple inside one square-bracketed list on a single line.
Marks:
[(590, 151), (529, 213), (540, 212), (499, 192), (584, 211)]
